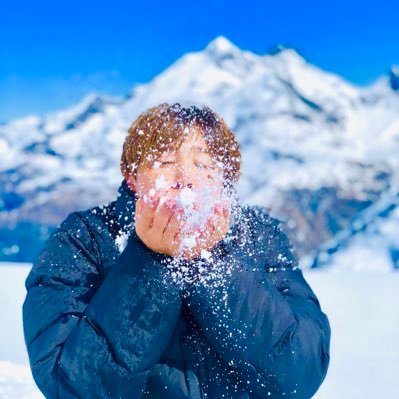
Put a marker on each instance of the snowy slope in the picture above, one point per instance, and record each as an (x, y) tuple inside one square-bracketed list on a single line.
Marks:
[(316, 149), (371, 242)]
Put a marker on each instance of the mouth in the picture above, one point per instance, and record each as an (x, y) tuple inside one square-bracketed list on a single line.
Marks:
[(192, 205)]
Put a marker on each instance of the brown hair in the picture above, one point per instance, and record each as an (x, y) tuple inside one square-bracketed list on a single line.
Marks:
[(165, 127)]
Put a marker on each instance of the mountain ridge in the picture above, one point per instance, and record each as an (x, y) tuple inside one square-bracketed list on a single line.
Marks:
[(307, 136)]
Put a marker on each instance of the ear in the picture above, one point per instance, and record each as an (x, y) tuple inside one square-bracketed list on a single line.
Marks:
[(131, 181)]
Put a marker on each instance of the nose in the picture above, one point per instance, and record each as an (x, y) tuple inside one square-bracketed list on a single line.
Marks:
[(183, 178), (181, 185)]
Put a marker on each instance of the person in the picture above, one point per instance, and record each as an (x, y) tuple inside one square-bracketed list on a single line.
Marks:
[(175, 289)]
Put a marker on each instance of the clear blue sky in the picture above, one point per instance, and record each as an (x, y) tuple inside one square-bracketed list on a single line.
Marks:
[(52, 53)]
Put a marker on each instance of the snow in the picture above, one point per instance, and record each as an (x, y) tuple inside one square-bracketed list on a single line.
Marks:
[(221, 45), (160, 183), (199, 208), (121, 241), (205, 254), (156, 164), (362, 310), (189, 242), (369, 241), (187, 197), (161, 202), (16, 380)]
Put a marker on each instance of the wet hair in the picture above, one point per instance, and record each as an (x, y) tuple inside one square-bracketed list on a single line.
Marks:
[(165, 127)]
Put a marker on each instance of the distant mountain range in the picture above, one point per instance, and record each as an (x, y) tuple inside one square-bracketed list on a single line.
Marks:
[(319, 152)]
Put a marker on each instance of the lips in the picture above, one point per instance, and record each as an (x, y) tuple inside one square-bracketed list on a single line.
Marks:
[(199, 210)]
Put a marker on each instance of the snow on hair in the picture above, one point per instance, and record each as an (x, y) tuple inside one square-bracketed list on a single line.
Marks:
[(166, 126)]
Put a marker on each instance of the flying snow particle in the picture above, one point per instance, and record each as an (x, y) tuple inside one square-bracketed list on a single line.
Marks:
[(206, 254), (187, 197), (188, 242), (160, 182), (121, 241)]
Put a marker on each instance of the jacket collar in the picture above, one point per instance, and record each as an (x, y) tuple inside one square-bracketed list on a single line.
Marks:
[(125, 207)]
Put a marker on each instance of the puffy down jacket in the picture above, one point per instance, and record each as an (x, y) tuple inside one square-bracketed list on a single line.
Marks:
[(105, 318)]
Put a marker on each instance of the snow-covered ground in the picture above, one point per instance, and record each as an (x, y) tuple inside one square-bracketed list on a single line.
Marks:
[(363, 311), (362, 308), (16, 380)]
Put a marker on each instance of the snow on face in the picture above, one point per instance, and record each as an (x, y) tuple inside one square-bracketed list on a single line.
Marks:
[(187, 197), (198, 207), (199, 192), (160, 183)]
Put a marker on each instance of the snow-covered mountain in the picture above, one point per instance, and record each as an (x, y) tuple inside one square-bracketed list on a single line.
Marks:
[(317, 151)]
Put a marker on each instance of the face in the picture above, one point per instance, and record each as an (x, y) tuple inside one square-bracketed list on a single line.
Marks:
[(192, 178), (188, 174)]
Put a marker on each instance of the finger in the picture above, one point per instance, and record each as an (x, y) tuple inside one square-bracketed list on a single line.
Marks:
[(218, 209), (172, 228), (162, 217), (222, 212), (222, 228), (217, 228), (205, 230), (226, 213), (145, 212)]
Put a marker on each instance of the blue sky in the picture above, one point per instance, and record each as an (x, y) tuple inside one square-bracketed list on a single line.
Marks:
[(54, 53)]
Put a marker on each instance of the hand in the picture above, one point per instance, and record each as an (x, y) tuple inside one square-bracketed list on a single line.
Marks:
[(161, 229), (214, 230), (158, 226)]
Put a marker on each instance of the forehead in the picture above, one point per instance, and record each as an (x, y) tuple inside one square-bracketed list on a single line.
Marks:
[(194, 141)]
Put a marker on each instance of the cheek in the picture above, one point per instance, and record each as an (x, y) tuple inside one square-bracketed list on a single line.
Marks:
[(145, 183), (160, 180), (209, 189)]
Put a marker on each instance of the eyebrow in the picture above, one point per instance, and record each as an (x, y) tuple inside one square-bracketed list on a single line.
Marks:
[(201, 149)]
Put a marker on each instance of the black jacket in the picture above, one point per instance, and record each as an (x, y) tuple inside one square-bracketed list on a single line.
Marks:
[(102, 321)]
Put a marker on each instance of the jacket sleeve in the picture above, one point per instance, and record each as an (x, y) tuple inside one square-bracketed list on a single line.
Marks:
[(266, 321), (93, 337)]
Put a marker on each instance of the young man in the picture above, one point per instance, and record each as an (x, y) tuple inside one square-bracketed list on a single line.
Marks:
[(174, 290)]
